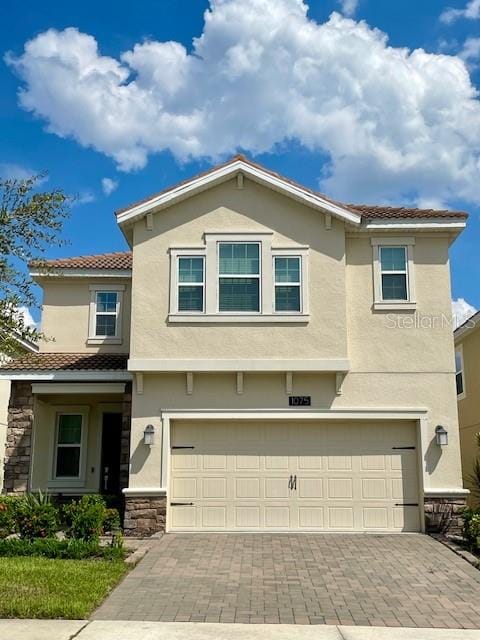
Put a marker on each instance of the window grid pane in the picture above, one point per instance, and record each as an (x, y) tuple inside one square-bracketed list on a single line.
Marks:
[(459, 381), (190, 298), (105, 325), (69, 429), (106, 302), (287, 298), (239, 294), (68, 462), (237, 258), (190, 270), (287, 269), (393, 259), (394, 286)]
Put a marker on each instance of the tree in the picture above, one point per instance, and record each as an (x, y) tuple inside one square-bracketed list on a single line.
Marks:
[(30, 222)]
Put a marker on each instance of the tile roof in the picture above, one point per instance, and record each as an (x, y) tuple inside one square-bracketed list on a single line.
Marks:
[(68, 362), (117, 260), (367, 211)]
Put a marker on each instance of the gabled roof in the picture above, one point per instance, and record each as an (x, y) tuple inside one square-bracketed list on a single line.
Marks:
[(354, 214)]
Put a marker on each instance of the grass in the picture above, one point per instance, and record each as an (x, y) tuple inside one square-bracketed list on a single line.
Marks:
[(32, 587)]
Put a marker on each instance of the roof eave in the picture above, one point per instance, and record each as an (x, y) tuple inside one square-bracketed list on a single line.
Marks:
[(221, 174)]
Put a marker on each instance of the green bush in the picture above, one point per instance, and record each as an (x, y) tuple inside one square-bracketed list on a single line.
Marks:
[(36, 516), (111, 521), (61, 549), (471, 528), (83, 519), (8, 515)]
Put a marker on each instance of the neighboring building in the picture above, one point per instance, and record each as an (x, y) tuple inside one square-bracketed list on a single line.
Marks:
[(24, 346), (278, 361), (467, 360)]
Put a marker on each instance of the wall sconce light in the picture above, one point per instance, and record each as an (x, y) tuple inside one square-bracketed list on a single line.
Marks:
[(149, 435), (441, 435)]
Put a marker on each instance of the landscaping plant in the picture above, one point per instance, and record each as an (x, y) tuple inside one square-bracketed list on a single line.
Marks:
[(36, 516), (83, 519)]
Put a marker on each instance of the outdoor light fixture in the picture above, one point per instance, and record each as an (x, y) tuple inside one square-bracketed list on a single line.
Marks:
[(149, 435), (442, 435)]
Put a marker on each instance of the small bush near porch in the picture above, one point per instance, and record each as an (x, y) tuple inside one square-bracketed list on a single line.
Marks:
[(36, 587)]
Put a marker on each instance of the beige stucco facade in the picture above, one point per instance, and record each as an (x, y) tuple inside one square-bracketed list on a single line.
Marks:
[(359, 362), (468, 344)]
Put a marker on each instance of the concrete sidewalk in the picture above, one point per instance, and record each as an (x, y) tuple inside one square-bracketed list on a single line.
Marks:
[(132, 630)]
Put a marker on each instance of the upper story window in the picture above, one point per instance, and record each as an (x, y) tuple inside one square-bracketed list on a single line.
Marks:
[(459, 373), (105, 314), (288, 284), (393, 273), (239, 277), (191, 283)]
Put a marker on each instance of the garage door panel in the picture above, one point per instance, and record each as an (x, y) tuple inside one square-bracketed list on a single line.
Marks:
[(314, 476)]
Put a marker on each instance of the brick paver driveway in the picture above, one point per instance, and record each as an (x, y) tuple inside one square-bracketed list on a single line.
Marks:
[(391, 580)]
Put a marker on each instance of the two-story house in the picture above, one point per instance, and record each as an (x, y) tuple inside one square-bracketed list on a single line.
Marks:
[(265, 359)]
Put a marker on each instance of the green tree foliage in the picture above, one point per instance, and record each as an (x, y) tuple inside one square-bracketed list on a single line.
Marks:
[(30, 222)]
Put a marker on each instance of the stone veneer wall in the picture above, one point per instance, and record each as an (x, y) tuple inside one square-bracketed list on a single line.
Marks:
[(145, 515), (19, 438), (125, 436), (444, 515)]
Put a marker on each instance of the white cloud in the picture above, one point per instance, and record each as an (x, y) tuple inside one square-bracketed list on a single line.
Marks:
[(462, 311), (9, 171), (84, 197), (28, 320), (348, 6), (396, 124), (471, 12), (109, 186), (470, 51)]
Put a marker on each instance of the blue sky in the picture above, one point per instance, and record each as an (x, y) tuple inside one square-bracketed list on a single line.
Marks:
[(323, 100)]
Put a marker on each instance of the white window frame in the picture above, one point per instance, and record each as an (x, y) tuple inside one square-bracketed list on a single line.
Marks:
[(209, 250), (69, 481), (302, 254), (235, 276), (190, 284), (92, 337), (459, 350), (379, 303)]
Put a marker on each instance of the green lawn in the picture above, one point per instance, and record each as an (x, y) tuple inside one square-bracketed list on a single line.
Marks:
[(32, 587)]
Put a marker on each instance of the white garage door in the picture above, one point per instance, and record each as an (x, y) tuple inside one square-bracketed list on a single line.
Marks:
[(271, 476)]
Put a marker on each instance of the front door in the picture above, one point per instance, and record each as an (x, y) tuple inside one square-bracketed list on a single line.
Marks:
[(111, 439)]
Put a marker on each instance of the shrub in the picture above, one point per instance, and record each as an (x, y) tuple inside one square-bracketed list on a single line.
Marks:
[(471, 528), (111, 521), (61, 549), (8, 515), (83, 519), (36, 516)]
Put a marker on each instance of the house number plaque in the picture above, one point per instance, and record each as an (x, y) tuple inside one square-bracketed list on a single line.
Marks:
[(299, 401)]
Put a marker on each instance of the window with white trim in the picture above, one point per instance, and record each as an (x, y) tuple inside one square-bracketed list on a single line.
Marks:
[(394, 273), (68, 445), (394, 283), (459, 373), (287, 273), (191, 283), (105, 314), (239, 277)]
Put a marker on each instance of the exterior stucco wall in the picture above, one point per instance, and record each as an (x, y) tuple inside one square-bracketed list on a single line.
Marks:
[(45, 410), (66, 312), (469, 406), (167, 392), (226, 208)]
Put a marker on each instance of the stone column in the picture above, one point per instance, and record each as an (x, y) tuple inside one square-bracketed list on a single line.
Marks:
[(125, 436), (444, 514), (144, 515), (19, 437)]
